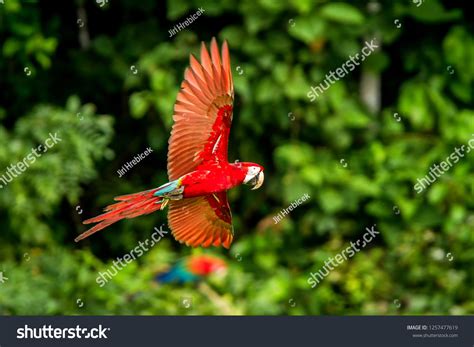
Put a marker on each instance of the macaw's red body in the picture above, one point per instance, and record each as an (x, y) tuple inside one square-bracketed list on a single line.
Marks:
[(198, 168)]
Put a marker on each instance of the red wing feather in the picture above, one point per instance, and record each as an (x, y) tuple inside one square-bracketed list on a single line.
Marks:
[(202, 221), (202, 113)]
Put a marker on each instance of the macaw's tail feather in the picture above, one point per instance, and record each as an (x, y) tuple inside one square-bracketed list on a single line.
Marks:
[(129, 206)]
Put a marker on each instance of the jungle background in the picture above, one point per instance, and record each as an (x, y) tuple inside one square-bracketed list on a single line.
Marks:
[(105, 77)]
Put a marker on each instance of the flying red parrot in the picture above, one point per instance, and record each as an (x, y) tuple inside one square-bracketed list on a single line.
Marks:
[(198, 170), (192, 269)]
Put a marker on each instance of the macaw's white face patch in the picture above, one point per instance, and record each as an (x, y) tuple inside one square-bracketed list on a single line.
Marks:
[(254, 177)]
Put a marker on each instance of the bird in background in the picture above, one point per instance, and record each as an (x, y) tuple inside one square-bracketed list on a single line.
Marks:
[(192, 269), (198, 168)]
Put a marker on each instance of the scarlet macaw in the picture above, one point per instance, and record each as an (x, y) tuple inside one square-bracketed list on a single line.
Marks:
[(192, 269), (198, 170)]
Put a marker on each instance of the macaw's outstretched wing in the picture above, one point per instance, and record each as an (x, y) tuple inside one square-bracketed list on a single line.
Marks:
[(202, 113), (202, 221)]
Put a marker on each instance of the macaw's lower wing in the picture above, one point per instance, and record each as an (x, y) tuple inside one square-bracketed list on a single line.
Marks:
[(202, 221)]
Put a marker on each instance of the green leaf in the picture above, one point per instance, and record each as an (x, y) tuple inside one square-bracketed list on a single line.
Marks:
[(308, 28), (138, 104), (342, 13)]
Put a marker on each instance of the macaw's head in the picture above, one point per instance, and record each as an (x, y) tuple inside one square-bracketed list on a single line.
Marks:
[(253, 175)]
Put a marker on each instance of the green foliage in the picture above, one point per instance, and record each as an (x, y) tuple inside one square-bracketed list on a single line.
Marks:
[(55, 175), (359, 167)]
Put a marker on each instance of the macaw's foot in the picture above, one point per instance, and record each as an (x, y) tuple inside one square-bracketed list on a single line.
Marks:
[(175, 194), (164, 202), (171, 190)]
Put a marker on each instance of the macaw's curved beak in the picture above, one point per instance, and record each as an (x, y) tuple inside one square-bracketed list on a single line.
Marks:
[(257, 181)]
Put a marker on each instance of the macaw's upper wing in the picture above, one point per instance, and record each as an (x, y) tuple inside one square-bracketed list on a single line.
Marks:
[(202, 221), (202, 113)]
